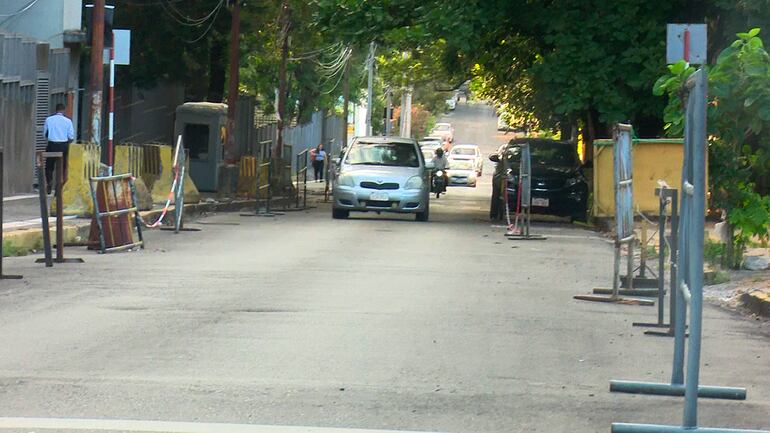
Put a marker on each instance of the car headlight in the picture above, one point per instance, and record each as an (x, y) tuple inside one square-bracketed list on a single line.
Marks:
[(440, 173), (346, 180), (572, 182), (414, 182)]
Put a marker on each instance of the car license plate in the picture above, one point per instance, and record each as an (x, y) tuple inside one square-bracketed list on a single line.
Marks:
[(540, 202), (379, 196)]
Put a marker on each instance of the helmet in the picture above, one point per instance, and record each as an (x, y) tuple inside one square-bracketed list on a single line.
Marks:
[(439, 152)]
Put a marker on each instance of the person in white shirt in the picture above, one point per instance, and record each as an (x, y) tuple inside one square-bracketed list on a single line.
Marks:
[(59, 132)]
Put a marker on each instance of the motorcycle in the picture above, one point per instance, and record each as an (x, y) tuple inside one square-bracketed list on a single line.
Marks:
[(439, 182)]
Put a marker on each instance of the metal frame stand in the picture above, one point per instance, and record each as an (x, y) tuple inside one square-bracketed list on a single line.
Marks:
[(523, 209), (689, 289), (2, 195), (41, 181), (132, 209), (179, 197), (666, 196), (258, 210), (624, 222), (300, 193)]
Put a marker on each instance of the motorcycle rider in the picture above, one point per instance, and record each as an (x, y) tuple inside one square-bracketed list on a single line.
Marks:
[(440, 163)]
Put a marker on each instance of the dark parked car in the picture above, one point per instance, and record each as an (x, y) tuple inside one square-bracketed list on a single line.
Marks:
[(558, 184)]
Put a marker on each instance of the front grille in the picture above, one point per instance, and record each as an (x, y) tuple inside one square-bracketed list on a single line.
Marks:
[(379, 186), (382, 204)]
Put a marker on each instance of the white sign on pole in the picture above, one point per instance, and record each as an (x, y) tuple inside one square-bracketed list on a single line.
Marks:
[(122, 42), (686, 42)]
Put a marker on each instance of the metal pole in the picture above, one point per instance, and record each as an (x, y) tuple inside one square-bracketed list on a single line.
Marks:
[(111, 116), (44, 210), (661, 254), (388, 112), (370, 89), (232, 91), (345, 103), (695, 245), (60, 209), (97, 71), (672, 259), (616, 271), (304, 180)]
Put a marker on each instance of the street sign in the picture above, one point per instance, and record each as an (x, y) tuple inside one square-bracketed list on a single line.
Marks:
[(122, 39), (686, 42)]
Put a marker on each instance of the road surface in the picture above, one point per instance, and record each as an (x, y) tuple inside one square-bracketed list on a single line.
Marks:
[(373, 322)]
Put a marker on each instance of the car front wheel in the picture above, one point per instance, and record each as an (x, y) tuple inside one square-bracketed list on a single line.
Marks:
[(340, 214), (422, 216)]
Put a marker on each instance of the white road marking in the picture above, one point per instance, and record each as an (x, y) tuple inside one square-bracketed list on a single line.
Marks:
[(167, 426)]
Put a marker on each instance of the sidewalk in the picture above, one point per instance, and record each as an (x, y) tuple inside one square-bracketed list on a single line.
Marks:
[(23, 233)]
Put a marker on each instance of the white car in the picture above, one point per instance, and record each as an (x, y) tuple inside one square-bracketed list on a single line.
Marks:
[(444, 130), (451, 103), (469, 152), (462, 172)]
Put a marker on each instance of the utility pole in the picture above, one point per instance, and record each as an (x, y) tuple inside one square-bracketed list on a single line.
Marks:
[(97, 71), (282, 82), (232, 92), (406, 113), (345, 102), (370, 89), (388, 112)]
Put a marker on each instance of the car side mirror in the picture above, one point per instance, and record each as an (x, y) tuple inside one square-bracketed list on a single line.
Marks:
[(337, 161), (430, 165), (494, 157)]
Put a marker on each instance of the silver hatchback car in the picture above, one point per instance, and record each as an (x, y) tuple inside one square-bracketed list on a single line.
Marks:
[(382, 174)]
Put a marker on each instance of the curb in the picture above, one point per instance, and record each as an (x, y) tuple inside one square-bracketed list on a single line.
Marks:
[(26, 240), (758, 302)]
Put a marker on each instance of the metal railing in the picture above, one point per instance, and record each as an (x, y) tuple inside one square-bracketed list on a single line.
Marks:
[(2, 173), (524, 201), (689, 287), (624, 221)]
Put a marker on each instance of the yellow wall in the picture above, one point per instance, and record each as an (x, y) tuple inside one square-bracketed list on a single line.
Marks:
[(652, 160)]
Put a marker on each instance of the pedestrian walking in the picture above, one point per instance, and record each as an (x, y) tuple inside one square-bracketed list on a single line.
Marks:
[(59, 132), (319, 159)]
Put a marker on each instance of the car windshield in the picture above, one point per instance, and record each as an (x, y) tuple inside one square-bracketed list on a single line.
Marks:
[(555, 154), (461, 164), (395, 154), (464, 151)]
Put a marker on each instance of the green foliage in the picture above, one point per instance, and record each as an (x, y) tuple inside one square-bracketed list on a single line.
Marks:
[(739, 133), (713, 252), (11, 250)]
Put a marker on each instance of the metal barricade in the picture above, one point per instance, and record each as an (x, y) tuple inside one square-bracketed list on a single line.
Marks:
[(115, 201), (302, 161), (524, 201), (2, 194), (689, 289), (263, 185), (624, 220), (44, 215), (668, 196)]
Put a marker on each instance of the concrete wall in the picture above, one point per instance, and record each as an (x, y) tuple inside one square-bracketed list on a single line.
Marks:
[(46, 20)]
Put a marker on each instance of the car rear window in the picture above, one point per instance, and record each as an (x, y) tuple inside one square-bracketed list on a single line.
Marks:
[(463, 151), (556, 154), (394, 154)]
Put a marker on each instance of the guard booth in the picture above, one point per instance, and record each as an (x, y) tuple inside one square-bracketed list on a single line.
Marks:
[(203, 127)]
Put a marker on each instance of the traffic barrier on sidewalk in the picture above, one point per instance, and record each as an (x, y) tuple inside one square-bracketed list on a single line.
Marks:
[(83, 163), (59, 203), (523, 202), (263, 186), (689, 288), (115, 211), (624, 220), (162, 185), (2, 174)]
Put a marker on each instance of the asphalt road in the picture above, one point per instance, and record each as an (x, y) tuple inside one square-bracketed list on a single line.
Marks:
[(376, 322)]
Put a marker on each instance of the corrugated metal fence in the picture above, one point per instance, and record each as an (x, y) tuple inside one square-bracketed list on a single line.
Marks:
[(33, 78)]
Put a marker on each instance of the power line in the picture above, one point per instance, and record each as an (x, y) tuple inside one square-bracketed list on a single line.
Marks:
[(20, 11), (185, 20), (208, 29)]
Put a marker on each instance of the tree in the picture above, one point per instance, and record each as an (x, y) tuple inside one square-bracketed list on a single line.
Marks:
[(739, 135)]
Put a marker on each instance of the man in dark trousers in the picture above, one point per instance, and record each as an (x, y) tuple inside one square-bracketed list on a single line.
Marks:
[(59, 132)]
